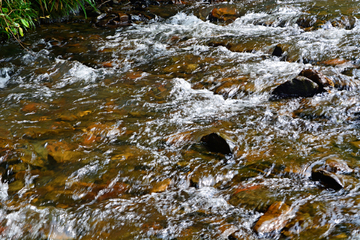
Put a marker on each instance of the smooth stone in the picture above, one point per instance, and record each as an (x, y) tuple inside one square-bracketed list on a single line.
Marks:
[(214, 143), (297, 87)]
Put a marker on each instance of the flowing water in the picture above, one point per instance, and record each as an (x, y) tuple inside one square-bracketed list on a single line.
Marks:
[(101, 128)]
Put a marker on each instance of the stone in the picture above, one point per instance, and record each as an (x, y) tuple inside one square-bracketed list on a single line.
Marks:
[(297, 87), (180, 139), (60, 152), (226, 14), (347, 22), (306, 22), (34, 107), (334, 62), (335, 165), (328, 179), (214, 143), (274, 220), (161, 186), (113, 20), (227, 231), (278, 52), (318, 78)]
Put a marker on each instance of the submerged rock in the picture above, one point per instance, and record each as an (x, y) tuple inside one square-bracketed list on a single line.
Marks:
[(214, 143), (274, 220), (297, 87), (161, 186)]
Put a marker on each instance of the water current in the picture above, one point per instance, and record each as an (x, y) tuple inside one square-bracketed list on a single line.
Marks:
[(100, 128)]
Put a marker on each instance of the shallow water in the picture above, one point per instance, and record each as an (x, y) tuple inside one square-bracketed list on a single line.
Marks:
[(101, 128)]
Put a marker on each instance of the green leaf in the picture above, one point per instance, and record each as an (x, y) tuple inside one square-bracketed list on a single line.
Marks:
[(16, 24), (25, 23), (5, 10), (21, 31)]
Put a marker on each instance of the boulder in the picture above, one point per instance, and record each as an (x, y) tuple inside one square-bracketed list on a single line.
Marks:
[(273, 220), (279, 52), (318, 78), (298, 87), (328, 179), (214, 143), (226, 14)]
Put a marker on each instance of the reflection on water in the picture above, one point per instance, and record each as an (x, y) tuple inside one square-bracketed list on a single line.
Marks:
[(100, 129)]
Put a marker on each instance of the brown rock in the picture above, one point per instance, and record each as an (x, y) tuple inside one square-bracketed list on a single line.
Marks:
[(226, 14), (34, 107), (180, 139), (107, 64), (306, 22), (274, 219), (347, 22), (335, 165), (318, 78), (334, 62), (161, 186), (227, 231), (60, 152)]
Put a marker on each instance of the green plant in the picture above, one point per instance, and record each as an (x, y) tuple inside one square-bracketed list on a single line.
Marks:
[(60, 8), (15, 17)]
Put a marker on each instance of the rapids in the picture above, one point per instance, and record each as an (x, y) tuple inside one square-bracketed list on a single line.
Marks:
[(100, 128)]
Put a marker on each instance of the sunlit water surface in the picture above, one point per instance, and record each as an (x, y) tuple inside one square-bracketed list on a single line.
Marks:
[(100, 129)]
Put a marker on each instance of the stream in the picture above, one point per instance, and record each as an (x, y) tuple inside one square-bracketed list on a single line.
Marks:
[(101, 128)]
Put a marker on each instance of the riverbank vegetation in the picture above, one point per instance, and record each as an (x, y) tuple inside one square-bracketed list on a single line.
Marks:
[(16, 16)]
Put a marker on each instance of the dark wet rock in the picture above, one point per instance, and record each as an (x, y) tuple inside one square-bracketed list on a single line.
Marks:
[(214, 143), (279, 52), (308, 83), (328, 179), (320, 79), (307, 22), (194, 181), (113, 20), (274, 220), (225, 14), (142, 4), (297, 87)]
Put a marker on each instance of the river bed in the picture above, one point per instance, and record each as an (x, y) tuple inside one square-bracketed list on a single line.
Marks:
[(101, 128)]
